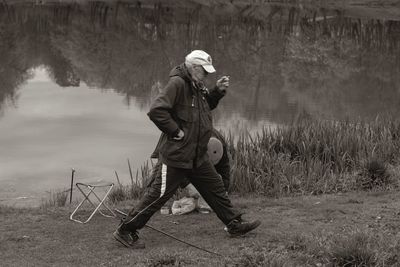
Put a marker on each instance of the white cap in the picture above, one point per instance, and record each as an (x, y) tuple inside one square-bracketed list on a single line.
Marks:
[(199, 57)]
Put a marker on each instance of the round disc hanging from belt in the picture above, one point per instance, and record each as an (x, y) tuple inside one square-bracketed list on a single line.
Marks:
[(215, 150)]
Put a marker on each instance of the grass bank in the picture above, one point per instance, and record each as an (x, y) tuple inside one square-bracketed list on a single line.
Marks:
[(350, 229)]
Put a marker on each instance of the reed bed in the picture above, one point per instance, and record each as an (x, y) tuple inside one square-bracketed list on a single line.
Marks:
[(136, 189), (307, 157), (316, 157)]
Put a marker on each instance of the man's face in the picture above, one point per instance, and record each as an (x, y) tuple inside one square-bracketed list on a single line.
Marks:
[(199, 73)]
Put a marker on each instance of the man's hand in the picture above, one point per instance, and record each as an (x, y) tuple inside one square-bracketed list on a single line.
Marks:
[(223, 83), (179, 136)]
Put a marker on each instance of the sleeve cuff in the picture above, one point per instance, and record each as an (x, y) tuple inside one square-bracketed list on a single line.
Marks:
[(175, 134), (219, 91)]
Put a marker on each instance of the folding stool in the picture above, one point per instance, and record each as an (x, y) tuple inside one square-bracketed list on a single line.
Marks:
[(87, 190)]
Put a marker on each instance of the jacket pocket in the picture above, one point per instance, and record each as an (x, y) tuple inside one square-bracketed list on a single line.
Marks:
[(183, 150), (186, 119)]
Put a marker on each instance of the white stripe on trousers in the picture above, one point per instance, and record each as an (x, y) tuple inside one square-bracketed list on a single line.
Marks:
[(163, 187), (163, 179)]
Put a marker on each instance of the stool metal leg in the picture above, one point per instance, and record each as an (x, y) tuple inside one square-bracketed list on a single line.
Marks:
[(97, 208), (102, 203)]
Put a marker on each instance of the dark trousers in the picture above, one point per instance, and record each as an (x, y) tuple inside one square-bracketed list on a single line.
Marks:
[(204, 178)]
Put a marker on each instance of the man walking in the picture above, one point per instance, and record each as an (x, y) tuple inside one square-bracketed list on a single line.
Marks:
[(182, 111)]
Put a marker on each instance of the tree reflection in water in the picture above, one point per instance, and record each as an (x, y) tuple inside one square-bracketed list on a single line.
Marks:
[(282, 60)]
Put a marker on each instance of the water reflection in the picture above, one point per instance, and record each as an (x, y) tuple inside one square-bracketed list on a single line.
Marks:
[(282, 60), (83, 128)]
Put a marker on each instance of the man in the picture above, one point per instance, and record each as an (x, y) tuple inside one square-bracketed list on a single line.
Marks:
[(182, 111)]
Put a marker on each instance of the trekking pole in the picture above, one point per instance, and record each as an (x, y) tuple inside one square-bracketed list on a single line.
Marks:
[(72, 185), (173, 237)]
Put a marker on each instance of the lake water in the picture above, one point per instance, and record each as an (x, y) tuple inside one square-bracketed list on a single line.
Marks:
[(76, 80)]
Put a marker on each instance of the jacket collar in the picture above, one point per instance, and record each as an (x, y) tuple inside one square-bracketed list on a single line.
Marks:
[(182, 71)]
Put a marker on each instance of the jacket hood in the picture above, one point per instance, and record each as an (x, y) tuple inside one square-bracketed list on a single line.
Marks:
[(181, 71)]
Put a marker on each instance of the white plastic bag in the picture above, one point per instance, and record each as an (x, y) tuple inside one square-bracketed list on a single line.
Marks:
[(184, 205)]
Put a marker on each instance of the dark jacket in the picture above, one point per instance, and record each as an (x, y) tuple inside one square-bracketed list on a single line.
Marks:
[(187, 106)]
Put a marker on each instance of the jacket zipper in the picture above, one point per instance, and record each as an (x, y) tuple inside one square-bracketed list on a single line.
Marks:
[(198, 132)]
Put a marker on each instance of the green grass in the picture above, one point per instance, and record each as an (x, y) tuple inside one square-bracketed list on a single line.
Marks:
[(354, 250), (323, 230), (324, 249)]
